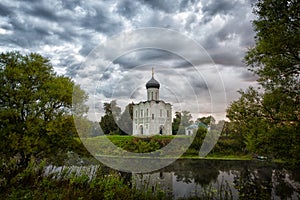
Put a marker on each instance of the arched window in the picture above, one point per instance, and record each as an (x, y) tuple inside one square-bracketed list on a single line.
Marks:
[(152, 116), (141, 130), (147, 113), (161, 129), (151, 95), (161, 175)]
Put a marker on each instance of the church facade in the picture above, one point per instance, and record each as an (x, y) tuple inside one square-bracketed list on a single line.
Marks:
[(154, 116)]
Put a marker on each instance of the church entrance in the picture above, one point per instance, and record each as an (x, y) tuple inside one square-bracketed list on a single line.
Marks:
[(161, 128), (141, 130)]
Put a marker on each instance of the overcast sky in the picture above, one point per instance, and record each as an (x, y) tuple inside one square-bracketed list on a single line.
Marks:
[(191, 77)]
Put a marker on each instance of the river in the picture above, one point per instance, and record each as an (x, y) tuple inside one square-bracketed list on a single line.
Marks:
[(212, 179), (216, 179)]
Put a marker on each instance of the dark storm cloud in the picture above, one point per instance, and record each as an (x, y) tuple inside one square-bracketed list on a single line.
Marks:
[(222, 57), (87, 46), (223, 7), (5, 10), (128, 8), (114, 87), (168, 6), (248, 76), (66, 31), (29, 32), (24, 36), (72, 69), (64, 24), (227, 43), (186, 4), (41, 11), (201, 85), (39, 23), (101, 22), (152, 57), (146, 56), (71, 4)]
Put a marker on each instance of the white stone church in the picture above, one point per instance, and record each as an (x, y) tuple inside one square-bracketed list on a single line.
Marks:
[(154, 116)]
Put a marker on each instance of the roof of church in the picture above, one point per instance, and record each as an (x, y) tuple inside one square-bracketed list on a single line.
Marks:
[(152, 83), (156, 101)]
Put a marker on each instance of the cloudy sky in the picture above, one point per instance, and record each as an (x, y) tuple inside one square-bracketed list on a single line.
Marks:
[(195, 47)]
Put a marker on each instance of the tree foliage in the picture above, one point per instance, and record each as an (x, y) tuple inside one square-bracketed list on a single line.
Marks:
[(267, 121), (176, 123), (275, 57), (207, 120), (125, 120), (35, 108), (181, 120), (186, 118), (109, 121)]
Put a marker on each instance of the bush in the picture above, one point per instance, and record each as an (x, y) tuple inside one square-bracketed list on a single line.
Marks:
[(32, 183)]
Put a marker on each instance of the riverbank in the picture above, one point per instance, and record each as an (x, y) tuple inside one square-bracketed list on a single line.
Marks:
[(225, 149), (220, 157)]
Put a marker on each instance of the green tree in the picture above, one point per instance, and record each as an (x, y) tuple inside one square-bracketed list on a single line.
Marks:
[(275, 56), (125, 121), (269, 121), (207, 120), (186, 118), (176, 123), (181, 120), (36, 108), (108, 122), (228, 129), (247, 120), (199, 138)]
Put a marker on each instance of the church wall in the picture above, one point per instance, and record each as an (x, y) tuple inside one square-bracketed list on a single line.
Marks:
[(162, 116)]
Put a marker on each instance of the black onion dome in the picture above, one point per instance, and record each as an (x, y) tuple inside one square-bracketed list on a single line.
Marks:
[(152, 83)]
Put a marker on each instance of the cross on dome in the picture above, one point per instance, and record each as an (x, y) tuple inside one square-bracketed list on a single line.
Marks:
[(152, 83)]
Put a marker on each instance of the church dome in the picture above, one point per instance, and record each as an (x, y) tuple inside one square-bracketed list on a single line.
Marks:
[(152, 83)]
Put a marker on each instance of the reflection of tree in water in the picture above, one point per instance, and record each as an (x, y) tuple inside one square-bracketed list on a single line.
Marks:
[(256, 184), (206, 175), (252, 180), (202, 173), (284, 188)]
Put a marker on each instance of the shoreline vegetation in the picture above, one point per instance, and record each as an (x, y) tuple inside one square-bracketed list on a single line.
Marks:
[(155, 143)]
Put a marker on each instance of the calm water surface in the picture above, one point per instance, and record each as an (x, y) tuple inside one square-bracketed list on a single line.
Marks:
[(222, 179), (211, 179)]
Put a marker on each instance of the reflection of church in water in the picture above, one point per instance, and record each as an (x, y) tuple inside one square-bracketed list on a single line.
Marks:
[(154, 181), (153, 116)]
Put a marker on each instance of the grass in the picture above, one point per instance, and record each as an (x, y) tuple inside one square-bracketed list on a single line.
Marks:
[(229, 157), (150, 144)]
